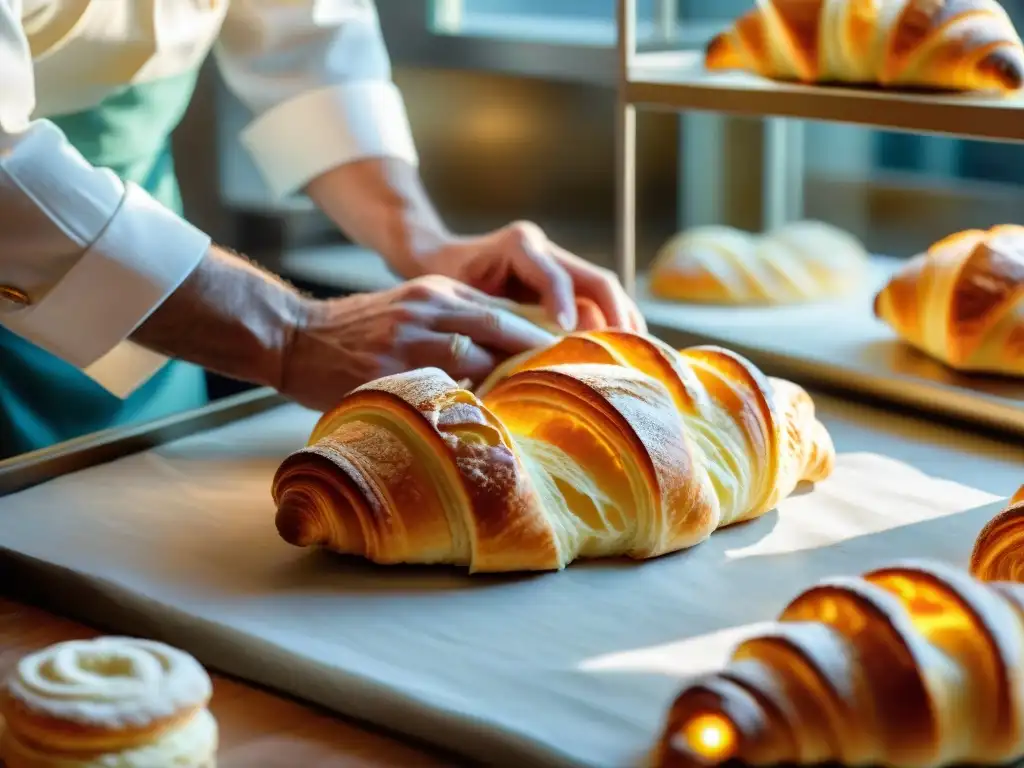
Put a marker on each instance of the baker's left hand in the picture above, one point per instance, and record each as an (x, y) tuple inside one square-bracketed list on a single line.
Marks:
[(519, 262)]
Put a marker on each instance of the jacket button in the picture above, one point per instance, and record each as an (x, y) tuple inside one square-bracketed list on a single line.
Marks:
[(13, 298)]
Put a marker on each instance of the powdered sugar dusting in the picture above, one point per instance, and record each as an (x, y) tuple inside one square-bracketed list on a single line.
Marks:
[(110, 681)]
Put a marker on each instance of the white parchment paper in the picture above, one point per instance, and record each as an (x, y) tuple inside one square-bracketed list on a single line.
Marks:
[(568, 669)]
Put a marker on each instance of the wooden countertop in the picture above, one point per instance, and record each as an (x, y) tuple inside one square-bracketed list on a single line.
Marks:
[(258, 729)]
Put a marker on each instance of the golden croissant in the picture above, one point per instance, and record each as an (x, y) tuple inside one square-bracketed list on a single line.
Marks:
[(962, 302), (998, 553), (915, 665), (605, 443), (948, 45), (797, 262)]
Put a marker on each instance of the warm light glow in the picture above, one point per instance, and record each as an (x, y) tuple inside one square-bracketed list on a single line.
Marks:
[(713, 737)]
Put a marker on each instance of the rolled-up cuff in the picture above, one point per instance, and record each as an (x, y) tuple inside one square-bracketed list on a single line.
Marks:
[(143, 255), (296, 141)]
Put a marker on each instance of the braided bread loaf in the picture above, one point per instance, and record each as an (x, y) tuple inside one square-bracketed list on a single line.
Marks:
[(798, 262), (604, 443), (962, 45), (962, 302), (913, 665), (998, 554)]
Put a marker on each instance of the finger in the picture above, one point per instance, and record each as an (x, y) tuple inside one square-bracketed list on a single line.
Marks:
[(600, 286), (455, 354), (533, 261), (639, 323), (591, 318), (491, 326)]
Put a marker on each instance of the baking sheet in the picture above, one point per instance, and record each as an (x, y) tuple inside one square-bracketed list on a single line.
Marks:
[(844, 335), (568, 669)]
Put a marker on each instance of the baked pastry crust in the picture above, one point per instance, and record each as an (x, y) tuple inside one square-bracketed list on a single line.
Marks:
[(605, 443), (803, 261), (959, 45), (962, 302), (998, 553), (917, 664), (109, 702)]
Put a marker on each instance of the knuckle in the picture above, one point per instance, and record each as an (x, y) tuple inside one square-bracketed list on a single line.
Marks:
[(494, 321)]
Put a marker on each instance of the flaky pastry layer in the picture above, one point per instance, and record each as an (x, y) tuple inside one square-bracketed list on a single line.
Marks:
[(801, 261), (957, 45), (917, 665), (605, 443), (962, 302)]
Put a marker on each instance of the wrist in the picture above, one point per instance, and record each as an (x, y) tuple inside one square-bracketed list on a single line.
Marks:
[(382, 205), (230, 317)]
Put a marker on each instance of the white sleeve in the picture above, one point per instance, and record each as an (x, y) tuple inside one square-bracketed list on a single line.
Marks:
[(317, 77), (93, 255)]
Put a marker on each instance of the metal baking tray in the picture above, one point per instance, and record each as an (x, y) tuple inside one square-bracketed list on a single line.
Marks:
[(843, 347), (36, 467)]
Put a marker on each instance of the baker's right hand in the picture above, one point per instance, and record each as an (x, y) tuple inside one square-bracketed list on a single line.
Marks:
[(340, 344)]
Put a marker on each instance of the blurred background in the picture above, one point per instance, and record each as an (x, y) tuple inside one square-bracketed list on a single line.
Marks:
[(512, 105)]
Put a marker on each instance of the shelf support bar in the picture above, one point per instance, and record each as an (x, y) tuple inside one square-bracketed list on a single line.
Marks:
[(782, 180), (625, 150)]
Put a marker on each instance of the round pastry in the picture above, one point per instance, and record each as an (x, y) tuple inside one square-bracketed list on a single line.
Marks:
[(111, 702), (802, 261), (999, 549)]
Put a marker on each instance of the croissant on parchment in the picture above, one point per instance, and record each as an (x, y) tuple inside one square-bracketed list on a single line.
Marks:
[(948, 45), (604, 443), (798, 262), (999, 549), (962, 302), (917, 665)]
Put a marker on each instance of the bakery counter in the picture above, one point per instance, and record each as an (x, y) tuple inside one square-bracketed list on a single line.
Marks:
[(172, 537)]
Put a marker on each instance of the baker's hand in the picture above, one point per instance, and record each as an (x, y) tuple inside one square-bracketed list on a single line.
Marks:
[(340, 344), (518, 260)]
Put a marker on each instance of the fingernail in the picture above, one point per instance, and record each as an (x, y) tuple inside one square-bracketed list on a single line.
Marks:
[(565, 321)]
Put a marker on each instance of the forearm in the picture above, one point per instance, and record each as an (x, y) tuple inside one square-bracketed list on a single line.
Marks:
[(229, 317), (382, 205)]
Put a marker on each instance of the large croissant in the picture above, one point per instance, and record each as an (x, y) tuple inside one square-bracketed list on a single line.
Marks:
[(604, 443), (998, 553), (800, 261), (961, 45), (962, 302), (914, 665)]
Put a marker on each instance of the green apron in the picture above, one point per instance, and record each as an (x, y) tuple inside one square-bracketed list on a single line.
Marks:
[(44, 400)]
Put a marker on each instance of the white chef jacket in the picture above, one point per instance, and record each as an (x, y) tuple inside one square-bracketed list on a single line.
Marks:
[(96, 256)]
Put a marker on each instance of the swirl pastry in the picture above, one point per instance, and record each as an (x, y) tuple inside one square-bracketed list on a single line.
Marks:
[(962, 302), (604, 443), (915, 665), (799, 262), (999, 551), (111, 702), (948, 45)]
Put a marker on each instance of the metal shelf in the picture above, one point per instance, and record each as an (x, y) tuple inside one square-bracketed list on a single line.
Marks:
[(677, 80), (859, 358)]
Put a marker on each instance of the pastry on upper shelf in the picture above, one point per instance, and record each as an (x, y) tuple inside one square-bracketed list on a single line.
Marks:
[(999, 549), (916, 665), (947, 45), (110, 702), (962, 302), (802, 261), (604, 443)]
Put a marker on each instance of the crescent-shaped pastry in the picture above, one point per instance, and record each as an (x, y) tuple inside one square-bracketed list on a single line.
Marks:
[(917, 665), (962, 302), (111, 702), (802, 261), (605, 443), (946, 45), (999, 549)]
